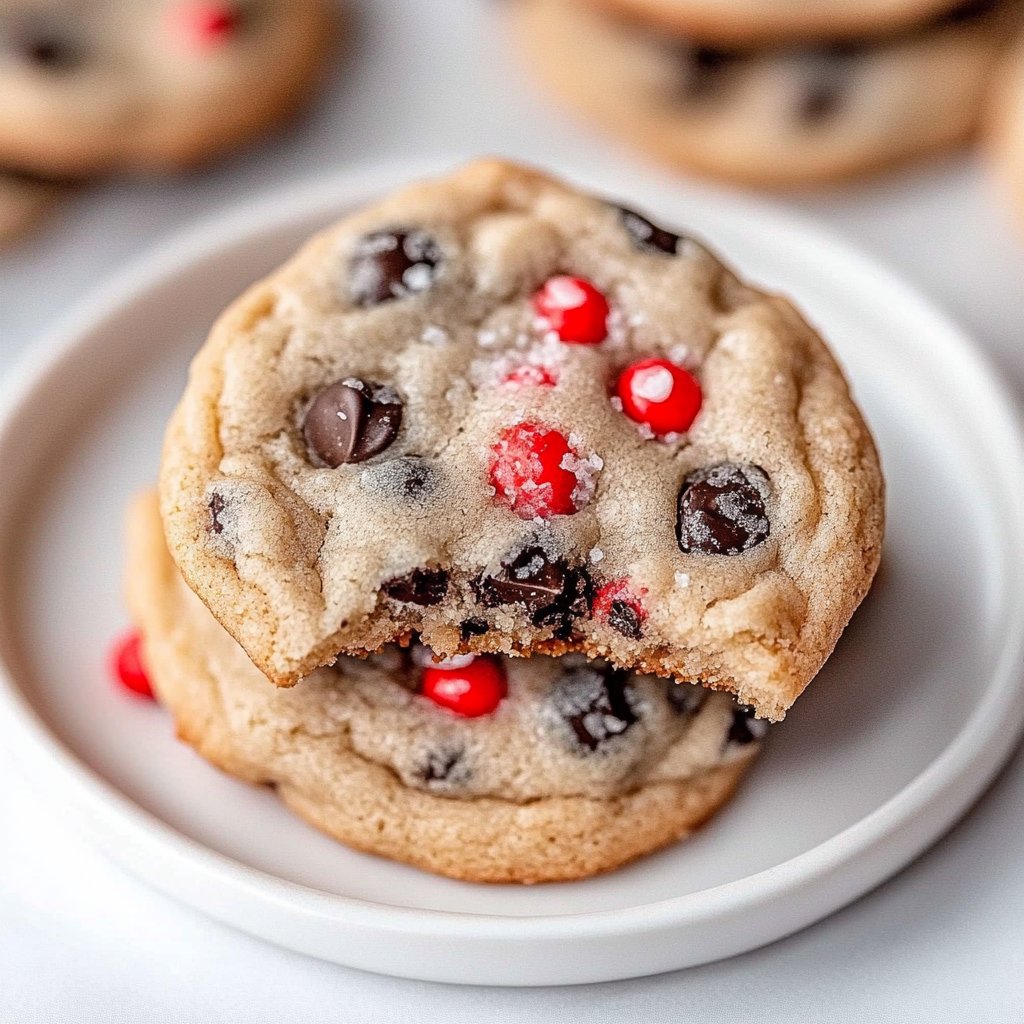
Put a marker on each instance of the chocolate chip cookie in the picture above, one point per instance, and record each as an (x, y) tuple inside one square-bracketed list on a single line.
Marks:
[(486, 769), (793, 114), (94, 86), (512, 418)]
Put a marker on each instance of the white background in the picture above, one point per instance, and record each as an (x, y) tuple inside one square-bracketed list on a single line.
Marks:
[(79, 941)]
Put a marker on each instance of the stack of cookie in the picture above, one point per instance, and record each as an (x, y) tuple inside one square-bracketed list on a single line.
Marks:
[(772, 94), (142, 86), (495, 526)]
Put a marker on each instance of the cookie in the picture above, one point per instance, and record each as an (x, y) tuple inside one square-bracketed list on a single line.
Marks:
[(746, 22), (513, 418), (23, 202), (1007, 129), (152, 85), (570, 769), (785, 116)]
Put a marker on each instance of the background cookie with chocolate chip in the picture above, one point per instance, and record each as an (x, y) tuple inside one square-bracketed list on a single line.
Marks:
[(510, 417), (563, 770), (94, 87), (792, 114)]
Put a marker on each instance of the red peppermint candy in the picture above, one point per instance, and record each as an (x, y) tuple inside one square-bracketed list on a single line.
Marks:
[(617, 604), (659, 394), (574, 309), (536, 472), (205, 25), (531, 375), (127, 666), (469, 689)]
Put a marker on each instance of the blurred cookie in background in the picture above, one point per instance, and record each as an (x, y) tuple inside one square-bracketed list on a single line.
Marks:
[(24, 201), (744, 22), (150, 85), (1007, 129), (785, 115)]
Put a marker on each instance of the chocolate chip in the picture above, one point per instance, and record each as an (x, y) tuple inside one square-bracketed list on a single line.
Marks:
[(745, 728), (421, 586), (392, 264), (555, 593), (704, 68), (625, 619), (685, 698), (721, 510), (473, 627), (827, 77), (410, 477), (596, 702), (351, 421), (648, 237), (447, 765), (44, 42), (965, 13), (216, 504)]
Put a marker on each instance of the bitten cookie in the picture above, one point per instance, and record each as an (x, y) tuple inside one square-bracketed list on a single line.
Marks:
[(1007, 129), (487, 769), (23, 202), (791, 115), (94, 86), (744, 22), (510, 417)]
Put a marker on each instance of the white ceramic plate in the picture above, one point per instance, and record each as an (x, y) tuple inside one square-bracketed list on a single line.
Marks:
[(908, 722)]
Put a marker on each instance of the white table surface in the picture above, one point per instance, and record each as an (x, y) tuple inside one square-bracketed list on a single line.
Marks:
[(80, 941)]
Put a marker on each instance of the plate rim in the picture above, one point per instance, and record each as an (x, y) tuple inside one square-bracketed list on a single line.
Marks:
[(957, 774)]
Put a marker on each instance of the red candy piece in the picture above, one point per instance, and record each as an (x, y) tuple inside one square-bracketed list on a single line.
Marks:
[(126, 664), (470, 690), (616, 602), (529, 472), (574, 309), (532, 375), (660, 394), (205, 25)]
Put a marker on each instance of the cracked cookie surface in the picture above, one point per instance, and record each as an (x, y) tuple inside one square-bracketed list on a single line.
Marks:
[(445, 416)]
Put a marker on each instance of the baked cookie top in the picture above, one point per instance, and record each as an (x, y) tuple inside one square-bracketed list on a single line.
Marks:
[(788, 115), (94, 86), (1007, 129), (509, 417), (788, 21)]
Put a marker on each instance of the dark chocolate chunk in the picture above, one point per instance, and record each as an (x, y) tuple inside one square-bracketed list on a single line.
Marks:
[(745, 728), (446, 766), (597, 703), (827, 75), (965, 13), (721, 510), (685, 698), (648, 237), (421, 586), (555, 593), (625, 619), (216, 505), (473, 626), (43, 41), (351, 421), (392, 264), (705, 68)]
